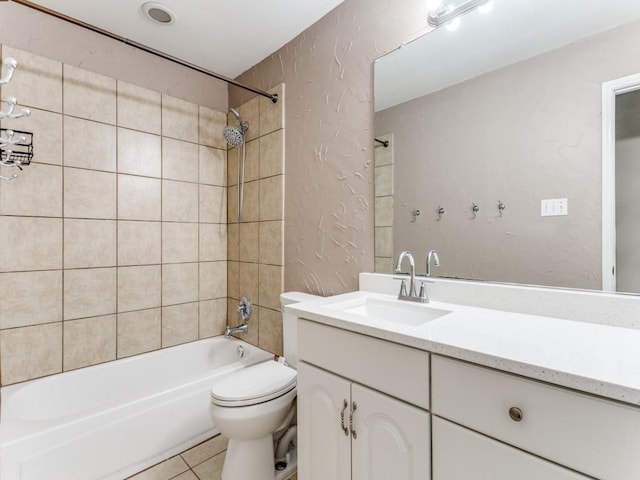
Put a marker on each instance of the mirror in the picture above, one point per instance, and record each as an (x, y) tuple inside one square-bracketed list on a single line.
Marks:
[(495, 153)]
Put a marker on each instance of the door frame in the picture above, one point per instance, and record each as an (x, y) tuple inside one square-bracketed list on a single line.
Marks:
[(610, 90)]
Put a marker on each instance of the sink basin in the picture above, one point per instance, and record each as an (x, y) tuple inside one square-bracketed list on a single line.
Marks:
[(395, 311)]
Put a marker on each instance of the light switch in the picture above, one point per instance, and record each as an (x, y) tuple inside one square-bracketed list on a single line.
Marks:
[(554, 207)]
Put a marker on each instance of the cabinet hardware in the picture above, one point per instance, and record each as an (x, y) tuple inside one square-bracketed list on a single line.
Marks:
[(515, 413), (342, 425), (354, 434)]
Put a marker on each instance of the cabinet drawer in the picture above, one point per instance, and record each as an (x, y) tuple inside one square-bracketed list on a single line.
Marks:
[(460, 454), (589, 434), (397, 370)]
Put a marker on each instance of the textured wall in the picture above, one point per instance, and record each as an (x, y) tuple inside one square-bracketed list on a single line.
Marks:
[(520, 134), (24, 28), (329, 171)]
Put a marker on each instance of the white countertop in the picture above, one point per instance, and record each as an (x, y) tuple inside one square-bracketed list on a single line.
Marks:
[(600, 359)]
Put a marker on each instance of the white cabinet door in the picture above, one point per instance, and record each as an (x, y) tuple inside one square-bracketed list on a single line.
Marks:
[(461, 454), (391, 438), (324, 450)]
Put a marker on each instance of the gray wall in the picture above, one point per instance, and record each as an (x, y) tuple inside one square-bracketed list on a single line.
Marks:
[(521, 134)]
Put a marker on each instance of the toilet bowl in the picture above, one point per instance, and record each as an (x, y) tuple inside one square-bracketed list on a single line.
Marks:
[(250, 405)]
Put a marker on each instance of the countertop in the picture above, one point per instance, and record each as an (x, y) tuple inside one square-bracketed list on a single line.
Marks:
[(598, 359)]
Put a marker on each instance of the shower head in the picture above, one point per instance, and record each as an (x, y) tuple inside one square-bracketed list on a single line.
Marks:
[(234, 136)]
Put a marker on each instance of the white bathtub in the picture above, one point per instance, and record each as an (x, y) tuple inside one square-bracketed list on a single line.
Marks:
[(112, 420)]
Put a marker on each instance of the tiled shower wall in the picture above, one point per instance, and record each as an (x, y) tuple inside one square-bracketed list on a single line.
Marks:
[(384, 204), (114, 240), (255, 253)]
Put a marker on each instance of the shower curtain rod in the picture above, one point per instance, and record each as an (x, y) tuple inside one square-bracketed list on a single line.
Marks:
[(144, 48)]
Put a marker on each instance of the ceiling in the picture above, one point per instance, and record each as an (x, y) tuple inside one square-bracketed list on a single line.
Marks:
[(514, 30), (224, 36)]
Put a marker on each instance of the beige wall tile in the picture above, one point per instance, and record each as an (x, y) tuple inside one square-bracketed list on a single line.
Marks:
[(384, 212), (249, 242), (139, 332), (213, 242), (139, 198), (89, 292), (38, 192), (233, 241), (38, 242), (89, 194), (179, 324), (233, 279), (89, 341), (179, 119), (384, 181), (213, 280), (232, 204), (89, 95), (30, 352), (139, 153), (384, 242), (179, 242), (270, 278), (232, 167), (384, 265), (251, 204), (139, 108), (139, 243), (384, 155), (205, 450), (271, 236), (47, 130), (248, 281), (179, 160), (166, 470), (179, 283), (89, 144), (210, 469), (37, 83), (34, 298), (272, 114), (89, 243), (213, 204), (272, 154), (179, 201), (213, 163), (210, 129), (213, 317), (252, 161), (250, 112), (139, 288), (271, 198), (270, 334)]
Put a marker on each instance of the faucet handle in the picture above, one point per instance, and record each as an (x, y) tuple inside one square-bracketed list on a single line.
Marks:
[(424, 298), (403, 288)]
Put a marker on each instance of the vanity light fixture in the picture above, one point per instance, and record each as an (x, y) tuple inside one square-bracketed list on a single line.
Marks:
[(159, 13), (448, 12)]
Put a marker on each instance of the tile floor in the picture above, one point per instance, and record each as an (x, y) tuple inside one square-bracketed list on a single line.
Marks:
[(202, 462)]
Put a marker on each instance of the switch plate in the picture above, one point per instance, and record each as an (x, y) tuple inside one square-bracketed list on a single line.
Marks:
[(554, 207)]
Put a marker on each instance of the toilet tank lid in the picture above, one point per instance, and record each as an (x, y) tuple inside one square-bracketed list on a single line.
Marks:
[(288, 298), (254, 382)]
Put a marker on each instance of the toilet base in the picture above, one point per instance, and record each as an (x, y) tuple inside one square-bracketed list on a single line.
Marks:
[(249, 459)]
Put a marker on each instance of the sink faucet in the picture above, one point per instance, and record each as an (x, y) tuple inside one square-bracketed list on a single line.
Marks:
[(411, 295), (436, 261)]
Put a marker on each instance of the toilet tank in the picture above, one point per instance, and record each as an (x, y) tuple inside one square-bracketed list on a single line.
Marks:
[(290, 325)]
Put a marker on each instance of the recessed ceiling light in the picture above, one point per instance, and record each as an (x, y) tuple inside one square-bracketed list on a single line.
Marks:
[(159, 13)]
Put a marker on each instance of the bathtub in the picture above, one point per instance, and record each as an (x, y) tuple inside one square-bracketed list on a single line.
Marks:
[(112, 420)]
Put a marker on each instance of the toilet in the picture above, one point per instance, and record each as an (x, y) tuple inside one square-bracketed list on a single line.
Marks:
[(250, 405)]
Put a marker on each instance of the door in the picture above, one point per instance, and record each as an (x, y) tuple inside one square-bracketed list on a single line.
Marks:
[(461, 454), (324, 449), (391, 438)]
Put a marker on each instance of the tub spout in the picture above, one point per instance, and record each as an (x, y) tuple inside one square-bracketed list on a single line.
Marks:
[(244, 328)]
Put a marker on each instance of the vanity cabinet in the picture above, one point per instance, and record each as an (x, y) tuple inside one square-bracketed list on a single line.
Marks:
[(350, 431), (588, 434)]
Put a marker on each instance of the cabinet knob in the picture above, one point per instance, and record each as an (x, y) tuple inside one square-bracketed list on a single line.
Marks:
[(342, 425), (515, 414)]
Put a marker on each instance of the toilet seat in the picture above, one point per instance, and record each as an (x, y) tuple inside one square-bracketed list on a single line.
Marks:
[(253, 385)]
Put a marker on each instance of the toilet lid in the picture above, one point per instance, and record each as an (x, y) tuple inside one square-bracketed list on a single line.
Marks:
[(254, 384)]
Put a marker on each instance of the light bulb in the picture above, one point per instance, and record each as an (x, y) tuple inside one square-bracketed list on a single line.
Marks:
[(434, 5), (452, 25), (487, 7)]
